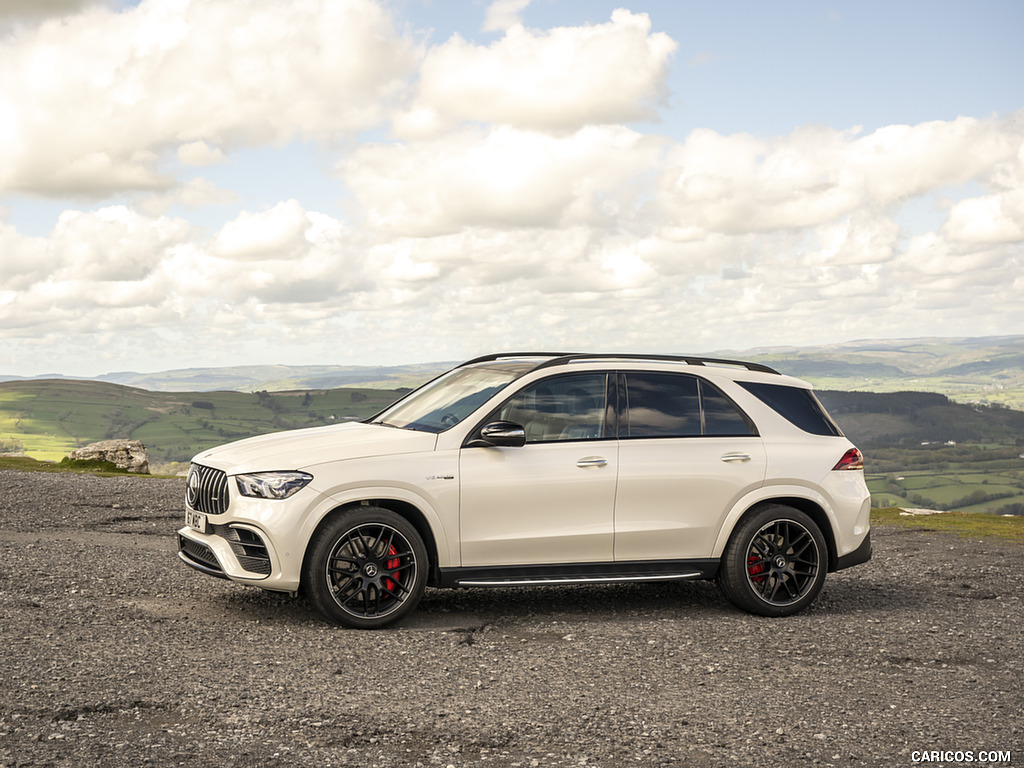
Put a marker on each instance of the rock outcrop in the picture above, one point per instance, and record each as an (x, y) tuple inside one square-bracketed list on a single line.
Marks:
[(124, 454)]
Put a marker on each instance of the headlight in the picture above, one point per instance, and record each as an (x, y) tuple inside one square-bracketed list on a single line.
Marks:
[(272, 485)]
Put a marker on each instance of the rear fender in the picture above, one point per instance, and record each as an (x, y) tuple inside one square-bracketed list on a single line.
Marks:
[(799, 497)]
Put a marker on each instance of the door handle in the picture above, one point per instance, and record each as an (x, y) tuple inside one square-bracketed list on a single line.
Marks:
[(592, 461), (735, 457)]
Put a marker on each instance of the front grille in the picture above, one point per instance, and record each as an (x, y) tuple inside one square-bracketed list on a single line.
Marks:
[(248, 548), (207, 490)]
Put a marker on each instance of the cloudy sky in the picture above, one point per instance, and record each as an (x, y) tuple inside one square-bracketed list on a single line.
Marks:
[(221, 182)]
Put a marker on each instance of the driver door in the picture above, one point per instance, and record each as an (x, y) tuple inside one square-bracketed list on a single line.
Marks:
[(552, 499)]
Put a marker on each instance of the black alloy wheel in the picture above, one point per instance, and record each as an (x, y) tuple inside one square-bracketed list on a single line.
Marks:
[(367, 568), (775, 562)]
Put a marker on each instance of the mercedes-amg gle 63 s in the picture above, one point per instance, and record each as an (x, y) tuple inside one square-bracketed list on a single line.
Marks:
[(536, 468)]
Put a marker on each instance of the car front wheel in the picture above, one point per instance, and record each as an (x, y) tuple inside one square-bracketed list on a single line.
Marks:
[(367, 568), (775, 562)]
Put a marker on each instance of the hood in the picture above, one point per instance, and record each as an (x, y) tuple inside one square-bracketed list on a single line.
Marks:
[(304, 448)]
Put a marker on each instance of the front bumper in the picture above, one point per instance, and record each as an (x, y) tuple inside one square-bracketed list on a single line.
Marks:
[(235, 551)]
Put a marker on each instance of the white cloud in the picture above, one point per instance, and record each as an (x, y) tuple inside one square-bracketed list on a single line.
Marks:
[(502, 177), (200, 153), (499, 237), (739, 183), (502, 14), (511, 207), (559, 79), (172, 74), (101, 269), (194, 193), (271, 234), (991, 219)]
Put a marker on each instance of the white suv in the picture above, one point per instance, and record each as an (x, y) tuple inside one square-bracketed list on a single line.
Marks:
[(536, 468)]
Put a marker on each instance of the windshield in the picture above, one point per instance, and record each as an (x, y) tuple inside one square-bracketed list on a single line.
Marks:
[(446, 401)]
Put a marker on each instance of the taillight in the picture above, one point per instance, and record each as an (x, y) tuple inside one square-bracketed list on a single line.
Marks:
[(852, 459)]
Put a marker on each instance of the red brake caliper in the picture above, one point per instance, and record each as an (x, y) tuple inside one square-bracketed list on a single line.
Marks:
[(389, 585), (755, 568)]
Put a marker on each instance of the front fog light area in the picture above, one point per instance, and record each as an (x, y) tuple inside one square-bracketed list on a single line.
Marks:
[(272, 485)]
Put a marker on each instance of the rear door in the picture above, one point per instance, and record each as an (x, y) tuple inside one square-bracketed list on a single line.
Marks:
[(687, 453)]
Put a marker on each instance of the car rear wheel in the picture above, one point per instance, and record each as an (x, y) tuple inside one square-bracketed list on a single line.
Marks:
[(775, 562), (367, 568)]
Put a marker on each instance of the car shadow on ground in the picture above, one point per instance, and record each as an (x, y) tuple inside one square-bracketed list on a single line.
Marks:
[(458, 608)]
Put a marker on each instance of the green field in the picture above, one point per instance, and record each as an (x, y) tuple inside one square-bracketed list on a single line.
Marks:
[(47, 420), (967, 525), (967, 478)]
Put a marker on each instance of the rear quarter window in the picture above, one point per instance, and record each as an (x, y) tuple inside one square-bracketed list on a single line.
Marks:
[(798, 406)]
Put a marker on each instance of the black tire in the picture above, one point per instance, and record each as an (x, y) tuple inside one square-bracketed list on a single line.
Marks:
[(366, 568), (775, 562)]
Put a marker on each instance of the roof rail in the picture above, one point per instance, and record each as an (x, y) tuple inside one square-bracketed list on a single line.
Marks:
[(500, 355), (563, 358)]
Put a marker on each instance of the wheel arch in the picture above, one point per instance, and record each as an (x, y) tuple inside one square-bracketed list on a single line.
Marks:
[(410, 512), (809, 507)]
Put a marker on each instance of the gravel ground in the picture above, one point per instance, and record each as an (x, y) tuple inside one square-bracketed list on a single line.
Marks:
[(115, 654)]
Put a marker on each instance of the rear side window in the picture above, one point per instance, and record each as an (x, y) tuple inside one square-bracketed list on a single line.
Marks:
[(662, 406), (670, 405), (796, 405)]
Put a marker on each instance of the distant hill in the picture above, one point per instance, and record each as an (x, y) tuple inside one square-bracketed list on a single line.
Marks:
[(872, 419), (279, 378), (270, 378), (985, 370)]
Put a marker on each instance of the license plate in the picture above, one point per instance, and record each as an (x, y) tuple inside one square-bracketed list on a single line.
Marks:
[(195, 520)]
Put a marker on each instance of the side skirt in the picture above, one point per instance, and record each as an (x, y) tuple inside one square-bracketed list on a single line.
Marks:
[(577, 573)]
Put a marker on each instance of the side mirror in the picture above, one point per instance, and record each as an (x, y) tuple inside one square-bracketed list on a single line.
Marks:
[(500, 434)]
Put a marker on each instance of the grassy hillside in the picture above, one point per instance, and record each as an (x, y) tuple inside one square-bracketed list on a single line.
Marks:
[(873, 419), (48, 419), (966, 525)]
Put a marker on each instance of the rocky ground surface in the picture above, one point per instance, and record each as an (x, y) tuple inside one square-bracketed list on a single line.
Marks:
[(115, 654)]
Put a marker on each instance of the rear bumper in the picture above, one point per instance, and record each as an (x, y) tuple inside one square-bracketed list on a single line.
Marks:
[(860, 555)]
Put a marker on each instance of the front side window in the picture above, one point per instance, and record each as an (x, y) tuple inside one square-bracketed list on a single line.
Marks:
[(672, 405), (560, 408)]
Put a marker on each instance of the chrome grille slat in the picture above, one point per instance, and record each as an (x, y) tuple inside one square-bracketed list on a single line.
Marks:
[(207, 490)]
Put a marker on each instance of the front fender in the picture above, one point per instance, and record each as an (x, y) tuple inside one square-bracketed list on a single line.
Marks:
[(447, 551)]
